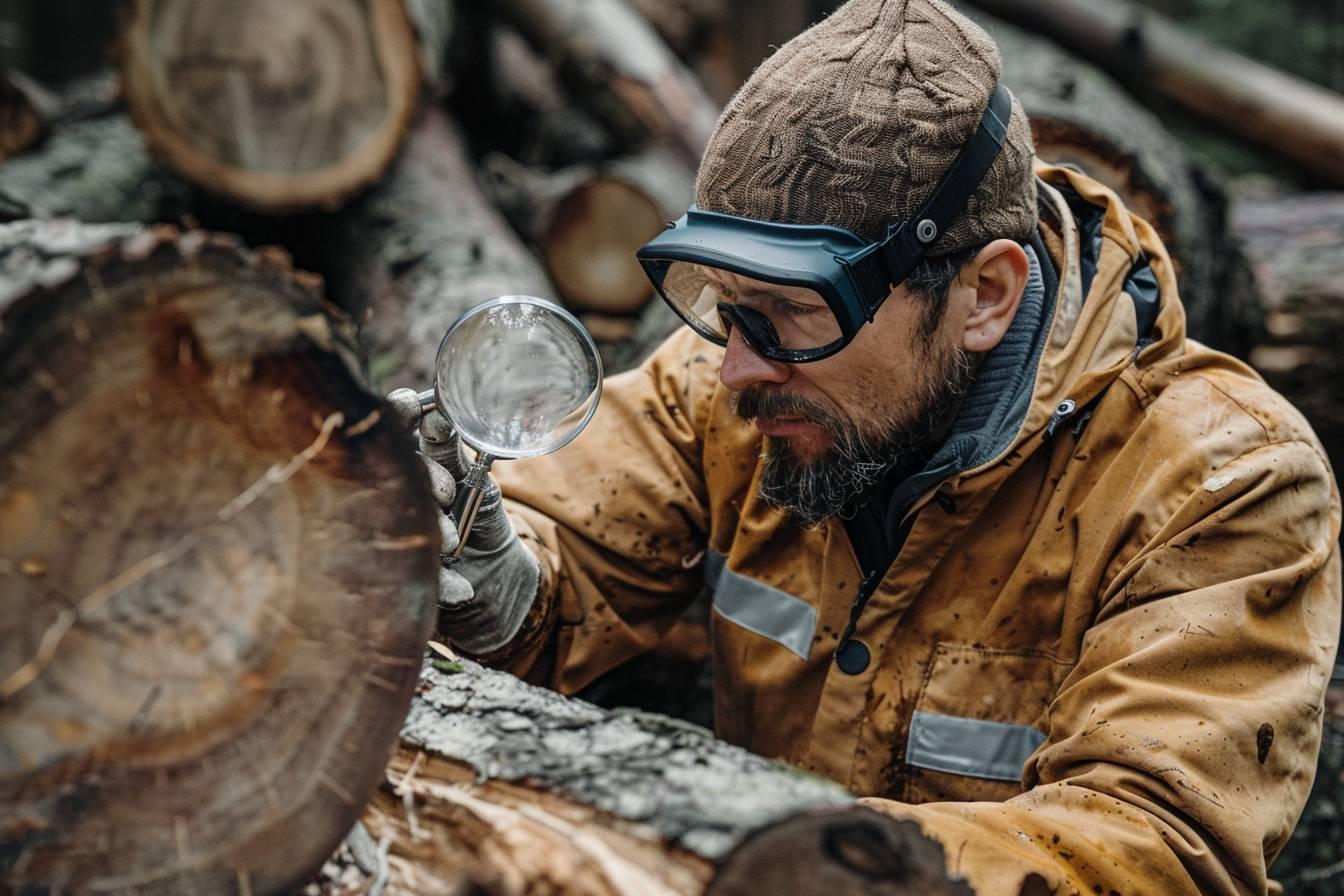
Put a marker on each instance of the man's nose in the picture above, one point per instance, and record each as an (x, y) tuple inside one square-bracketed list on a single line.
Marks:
[(743, 368)]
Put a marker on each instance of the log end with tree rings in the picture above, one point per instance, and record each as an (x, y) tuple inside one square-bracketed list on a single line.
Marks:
[(590, 245), (218, 562), (280, 106)]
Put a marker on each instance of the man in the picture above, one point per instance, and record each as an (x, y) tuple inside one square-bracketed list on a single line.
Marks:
[(992, 543)]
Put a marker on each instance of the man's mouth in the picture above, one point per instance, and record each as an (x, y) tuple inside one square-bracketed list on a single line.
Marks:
[(786, 427)]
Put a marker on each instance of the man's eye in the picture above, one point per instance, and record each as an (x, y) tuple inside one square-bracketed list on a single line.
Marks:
[(797, 309)]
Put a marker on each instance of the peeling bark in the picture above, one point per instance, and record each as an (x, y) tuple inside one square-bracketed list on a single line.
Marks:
[(530, 792)]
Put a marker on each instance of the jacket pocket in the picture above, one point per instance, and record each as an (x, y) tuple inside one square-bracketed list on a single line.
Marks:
[(978, 720)]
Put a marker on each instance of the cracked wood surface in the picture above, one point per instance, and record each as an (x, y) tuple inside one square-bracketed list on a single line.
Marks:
[(529, 792), (218, 565)]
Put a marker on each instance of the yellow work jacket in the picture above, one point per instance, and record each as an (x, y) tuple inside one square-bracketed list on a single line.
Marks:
[(1100, 655)]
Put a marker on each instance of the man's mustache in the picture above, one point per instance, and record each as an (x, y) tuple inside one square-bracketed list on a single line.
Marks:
[(756, 403)]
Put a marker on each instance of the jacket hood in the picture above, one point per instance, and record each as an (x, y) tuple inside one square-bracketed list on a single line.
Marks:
[(1105, 293)]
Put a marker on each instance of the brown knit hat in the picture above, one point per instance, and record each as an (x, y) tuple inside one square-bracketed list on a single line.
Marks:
[(853, 122)]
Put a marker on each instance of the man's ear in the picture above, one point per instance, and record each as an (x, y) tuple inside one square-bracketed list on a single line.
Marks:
[(998, 276)]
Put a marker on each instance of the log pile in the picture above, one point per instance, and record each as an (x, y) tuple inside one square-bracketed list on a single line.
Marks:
[(218, 561)]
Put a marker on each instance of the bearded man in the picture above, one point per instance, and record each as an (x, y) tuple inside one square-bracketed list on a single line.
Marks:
[(992, 543)]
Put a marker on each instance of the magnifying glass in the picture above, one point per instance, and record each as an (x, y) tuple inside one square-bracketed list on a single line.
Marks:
[(517, 376)]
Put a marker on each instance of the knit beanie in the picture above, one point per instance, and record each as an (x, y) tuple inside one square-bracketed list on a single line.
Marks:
[(853, 122)]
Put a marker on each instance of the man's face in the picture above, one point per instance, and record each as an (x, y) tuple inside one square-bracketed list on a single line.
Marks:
[(835, 427)]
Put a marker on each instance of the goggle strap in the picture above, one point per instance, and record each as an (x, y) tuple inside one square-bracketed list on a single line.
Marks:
[(906, 245)]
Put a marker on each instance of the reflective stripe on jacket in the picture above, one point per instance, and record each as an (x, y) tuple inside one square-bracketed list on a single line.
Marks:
[(1100, 655)]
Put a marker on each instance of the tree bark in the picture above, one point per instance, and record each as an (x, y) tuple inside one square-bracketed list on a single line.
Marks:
[(419, 249), (219, 564), (1080, 116), (588, 221), (530, 792), (1294, 243), (622, 68), (281, 107), (96, 170), (1287, 115)]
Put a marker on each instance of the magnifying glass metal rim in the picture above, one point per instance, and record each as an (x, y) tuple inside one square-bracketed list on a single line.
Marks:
[(431, 399), (471, 490)]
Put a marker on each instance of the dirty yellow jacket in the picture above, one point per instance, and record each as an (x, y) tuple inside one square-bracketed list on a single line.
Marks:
[(1101, 653)]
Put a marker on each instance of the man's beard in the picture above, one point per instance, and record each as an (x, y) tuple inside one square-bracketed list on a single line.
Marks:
[(860, 454)]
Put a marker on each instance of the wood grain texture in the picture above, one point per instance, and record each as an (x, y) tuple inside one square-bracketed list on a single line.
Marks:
[(218, 566), (281, 106), (532, 793)]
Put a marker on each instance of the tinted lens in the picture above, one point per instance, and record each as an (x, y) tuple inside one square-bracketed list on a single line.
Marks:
[(800, 318)]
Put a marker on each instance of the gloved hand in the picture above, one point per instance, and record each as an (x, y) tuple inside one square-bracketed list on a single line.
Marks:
[(485, 596)]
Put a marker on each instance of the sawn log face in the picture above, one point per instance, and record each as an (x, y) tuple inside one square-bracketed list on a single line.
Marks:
[(218, 565)]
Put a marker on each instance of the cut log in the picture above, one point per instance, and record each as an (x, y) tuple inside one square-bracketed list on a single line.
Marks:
[(1296, 247), (96, 170), (686, 25), (530, 792), (280, 106), (619, 65), (419, 249), (1080, 116), (522, 109), (435, 23), (219, 564), (1284, 114), (589, 221)]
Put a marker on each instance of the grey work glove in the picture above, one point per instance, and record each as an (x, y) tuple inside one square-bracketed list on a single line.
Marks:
[(485, 596)]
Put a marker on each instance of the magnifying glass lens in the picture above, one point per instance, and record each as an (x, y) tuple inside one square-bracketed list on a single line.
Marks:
[(518, 377)]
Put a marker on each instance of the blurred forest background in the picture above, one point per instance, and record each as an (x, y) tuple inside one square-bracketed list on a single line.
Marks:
[(1292, 334)]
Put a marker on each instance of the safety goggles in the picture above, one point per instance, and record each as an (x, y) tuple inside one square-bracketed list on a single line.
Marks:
[(799, 292)]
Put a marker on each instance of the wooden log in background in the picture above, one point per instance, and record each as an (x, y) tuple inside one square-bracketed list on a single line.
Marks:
[(419, 249), (219, 564), (1281, 113), (620, 67), (280, 106), (92, 167), (1295, 244), (588, 221)]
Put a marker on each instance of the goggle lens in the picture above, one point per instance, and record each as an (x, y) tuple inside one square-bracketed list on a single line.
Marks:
[(773, 317)]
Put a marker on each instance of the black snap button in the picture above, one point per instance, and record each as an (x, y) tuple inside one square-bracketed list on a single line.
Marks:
[(853, 657)]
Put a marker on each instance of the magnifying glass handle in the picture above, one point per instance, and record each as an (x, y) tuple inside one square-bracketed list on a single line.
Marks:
[(470, 493), (426, 401)]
